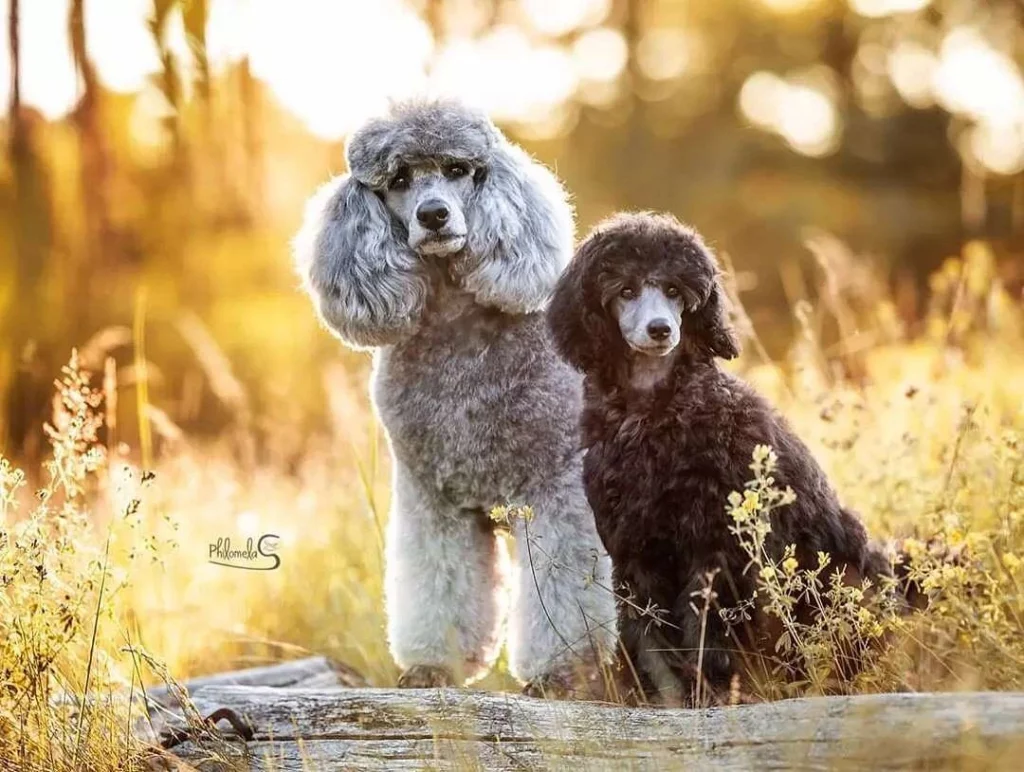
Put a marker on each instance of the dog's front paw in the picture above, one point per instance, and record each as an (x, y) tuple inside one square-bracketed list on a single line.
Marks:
[(425, 677)]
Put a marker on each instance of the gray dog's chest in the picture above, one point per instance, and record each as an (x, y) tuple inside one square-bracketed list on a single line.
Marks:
[(478, 406)]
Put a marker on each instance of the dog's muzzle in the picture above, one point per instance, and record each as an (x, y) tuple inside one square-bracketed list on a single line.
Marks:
[(441, 244)]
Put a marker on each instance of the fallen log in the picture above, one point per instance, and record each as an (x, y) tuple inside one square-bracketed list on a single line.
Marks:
[(447, 729), (310, 672)]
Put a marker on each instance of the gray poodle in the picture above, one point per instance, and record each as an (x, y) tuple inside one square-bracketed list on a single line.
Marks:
[(439, 250)]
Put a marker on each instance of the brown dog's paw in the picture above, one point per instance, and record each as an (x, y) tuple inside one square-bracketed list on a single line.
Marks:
[(425, 677)]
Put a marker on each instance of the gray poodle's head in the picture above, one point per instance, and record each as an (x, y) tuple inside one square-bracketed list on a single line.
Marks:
[(425, 162), (431, 182)]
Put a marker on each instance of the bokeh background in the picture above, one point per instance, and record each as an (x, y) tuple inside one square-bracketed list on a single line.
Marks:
[(157, 154)]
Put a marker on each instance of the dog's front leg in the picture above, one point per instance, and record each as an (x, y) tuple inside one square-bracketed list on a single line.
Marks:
[(562, 630), (709, 653), (444, 585)]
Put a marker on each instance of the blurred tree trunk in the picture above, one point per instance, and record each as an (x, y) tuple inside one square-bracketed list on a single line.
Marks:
[(99, 247), (207, 145), (433, 14), (635, 137), (195, 14), (252, 122), (177, 197), (170, 78), (15, 49), (21, 373)]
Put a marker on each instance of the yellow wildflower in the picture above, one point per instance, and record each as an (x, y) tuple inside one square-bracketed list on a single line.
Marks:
[(914, 548), (739, 514), (976, 542)]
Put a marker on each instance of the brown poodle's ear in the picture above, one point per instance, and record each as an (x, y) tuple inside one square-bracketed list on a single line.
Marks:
[(581, 329), (711, 326), (565, 317)]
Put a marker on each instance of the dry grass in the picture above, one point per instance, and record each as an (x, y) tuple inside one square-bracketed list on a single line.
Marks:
[(105, 566)]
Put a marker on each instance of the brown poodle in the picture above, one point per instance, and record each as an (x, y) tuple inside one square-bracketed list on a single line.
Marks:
[(668, 435)]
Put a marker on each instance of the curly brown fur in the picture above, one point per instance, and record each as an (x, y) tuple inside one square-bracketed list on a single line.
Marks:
[(662, 458)]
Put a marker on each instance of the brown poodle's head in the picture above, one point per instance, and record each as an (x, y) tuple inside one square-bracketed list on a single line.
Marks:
[(640, 285)]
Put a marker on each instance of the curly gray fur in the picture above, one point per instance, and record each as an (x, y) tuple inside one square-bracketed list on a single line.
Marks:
[(375, 294), (478, 409)]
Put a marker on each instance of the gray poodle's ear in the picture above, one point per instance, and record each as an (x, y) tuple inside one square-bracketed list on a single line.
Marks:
[(367, 285), (520, 232), (711, 327)]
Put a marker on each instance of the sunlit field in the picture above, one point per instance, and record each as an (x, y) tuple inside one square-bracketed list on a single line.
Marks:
[(165, 388), (107, 583)]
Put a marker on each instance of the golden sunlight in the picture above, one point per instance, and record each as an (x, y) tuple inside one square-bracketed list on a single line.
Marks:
[(600, 54), (808, 121), (297, 53), (506, 74), (878, 8), (800, 113), (976, 80), (316, 57), (559, 18), (761, 97), (911, 68), (48, 79), (664, 54), (789, 6), (121, 47), (999, 146)]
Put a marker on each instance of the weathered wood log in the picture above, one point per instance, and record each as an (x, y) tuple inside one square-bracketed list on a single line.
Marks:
[(165, 719), (311, 672), (381, 729)]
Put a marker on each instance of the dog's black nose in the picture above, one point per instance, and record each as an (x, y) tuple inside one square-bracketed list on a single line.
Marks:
[(659, 329), (432, 214)]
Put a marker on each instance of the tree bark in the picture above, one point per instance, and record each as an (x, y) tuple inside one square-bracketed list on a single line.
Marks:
[(378, 729)]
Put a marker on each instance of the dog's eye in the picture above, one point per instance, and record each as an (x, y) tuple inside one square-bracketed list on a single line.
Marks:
[(401, 179), (456, 170), (627, 293), (671, 291)]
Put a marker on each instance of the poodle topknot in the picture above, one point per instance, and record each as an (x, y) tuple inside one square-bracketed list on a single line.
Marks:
[(668, 435), (438, 250), (419, 131)]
